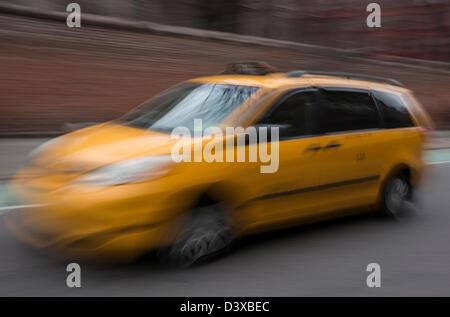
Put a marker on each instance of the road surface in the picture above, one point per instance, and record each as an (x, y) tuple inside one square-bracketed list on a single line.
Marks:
[(327, 259)]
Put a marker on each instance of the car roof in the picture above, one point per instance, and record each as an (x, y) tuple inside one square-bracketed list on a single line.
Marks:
[(280, 81)]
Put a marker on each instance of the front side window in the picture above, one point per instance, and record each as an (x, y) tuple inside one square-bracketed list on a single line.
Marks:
[(394, 112), (180, 105), (293, 114), (347, 110)]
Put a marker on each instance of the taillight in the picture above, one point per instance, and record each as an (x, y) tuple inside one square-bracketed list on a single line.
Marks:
[(425, 133)]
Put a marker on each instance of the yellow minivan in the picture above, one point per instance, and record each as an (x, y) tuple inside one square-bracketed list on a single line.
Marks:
[(345, 143)]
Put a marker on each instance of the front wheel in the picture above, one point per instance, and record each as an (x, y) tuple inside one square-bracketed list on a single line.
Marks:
[(206, 234), (396, 193)]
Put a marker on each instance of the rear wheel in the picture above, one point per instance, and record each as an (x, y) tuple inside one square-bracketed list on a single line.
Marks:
[(206, 234), (396, 193)]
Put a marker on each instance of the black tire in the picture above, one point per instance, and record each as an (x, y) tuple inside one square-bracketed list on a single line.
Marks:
[(206, 235), (397, 192)]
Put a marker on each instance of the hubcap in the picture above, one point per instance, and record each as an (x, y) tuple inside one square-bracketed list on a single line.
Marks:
[(201, 244), (397, 194)]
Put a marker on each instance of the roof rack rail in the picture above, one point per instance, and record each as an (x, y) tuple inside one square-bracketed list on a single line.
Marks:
[(390, 81)]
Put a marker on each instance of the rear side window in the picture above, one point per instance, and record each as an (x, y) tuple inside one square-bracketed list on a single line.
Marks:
[(394, 112), (347, 110)]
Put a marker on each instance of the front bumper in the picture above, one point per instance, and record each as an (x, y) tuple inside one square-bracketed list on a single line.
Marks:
[(120, 245), (111, 224)]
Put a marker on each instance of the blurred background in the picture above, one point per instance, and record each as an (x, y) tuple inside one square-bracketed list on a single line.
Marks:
[(411, 28), (53, 77)]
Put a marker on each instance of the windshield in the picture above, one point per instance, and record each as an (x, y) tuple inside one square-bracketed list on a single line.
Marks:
[(180, 105)]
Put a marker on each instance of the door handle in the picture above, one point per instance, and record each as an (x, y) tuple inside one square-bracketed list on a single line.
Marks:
[(314, 148), (332, 145)]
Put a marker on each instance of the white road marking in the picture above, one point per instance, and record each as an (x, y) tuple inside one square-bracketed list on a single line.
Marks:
[(4, 210), (436, 163)]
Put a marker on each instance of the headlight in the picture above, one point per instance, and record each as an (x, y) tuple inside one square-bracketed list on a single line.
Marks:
[(129, 171)]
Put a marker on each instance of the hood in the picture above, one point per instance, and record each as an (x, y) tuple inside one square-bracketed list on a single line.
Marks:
[(100, 145)]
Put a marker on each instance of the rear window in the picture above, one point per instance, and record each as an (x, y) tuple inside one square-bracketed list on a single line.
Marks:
[(347, 110), (393, 110)]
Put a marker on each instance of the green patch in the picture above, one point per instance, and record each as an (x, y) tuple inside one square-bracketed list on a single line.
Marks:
[(6, 197), (437, 156)]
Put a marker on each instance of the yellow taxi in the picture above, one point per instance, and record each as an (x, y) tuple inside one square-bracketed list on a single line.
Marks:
[(344, 143)]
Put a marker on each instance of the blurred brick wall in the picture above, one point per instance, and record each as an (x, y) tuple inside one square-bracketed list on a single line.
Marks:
[(51, 74), (410, 28)]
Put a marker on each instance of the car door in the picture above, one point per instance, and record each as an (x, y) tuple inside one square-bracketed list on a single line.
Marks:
[(282, 195), (351, 159)]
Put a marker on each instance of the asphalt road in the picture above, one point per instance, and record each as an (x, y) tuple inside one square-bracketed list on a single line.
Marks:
[(327, 259)]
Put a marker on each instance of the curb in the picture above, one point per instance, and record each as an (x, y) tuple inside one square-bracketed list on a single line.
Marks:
[(26, 135), (66, 128)]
